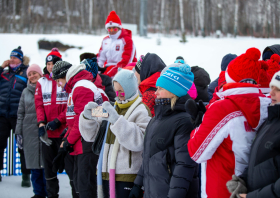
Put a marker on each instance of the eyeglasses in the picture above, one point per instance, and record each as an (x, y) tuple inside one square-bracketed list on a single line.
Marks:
[(249, 80), (111, 29)]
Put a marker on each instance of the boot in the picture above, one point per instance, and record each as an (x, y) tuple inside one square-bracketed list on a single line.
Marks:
[(25, 180)]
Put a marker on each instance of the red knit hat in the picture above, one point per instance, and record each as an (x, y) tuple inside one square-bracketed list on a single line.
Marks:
[(244, 66), (264, 78), (113, 20), (54, 53), (222, 79), (273, 65)]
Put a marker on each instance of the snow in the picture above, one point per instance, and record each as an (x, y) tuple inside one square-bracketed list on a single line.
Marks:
[(204, 52), (10, 187)]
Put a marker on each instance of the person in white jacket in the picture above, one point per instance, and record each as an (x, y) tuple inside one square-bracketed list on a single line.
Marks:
[(120, 158)]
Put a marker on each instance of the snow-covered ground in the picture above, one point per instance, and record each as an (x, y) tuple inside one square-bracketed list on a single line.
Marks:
[(204, 52), (10, 187)]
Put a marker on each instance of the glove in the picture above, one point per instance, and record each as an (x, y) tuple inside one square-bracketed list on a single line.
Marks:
[(195, 110), (236, 186), (63, 132), (53, 125), (45, 139), (113, 115), (41, 131), (136, 192), (58, 161), (19, 141), (87, 110), (68, 147)]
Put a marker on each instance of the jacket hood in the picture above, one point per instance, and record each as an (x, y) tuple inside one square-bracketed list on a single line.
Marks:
[(149, 82), (73, 70), (151, 64), (98, 82), (125, 33), (201, 77), (242, 94), (26, 60), (274, 48), (81, 75), (226, 60)]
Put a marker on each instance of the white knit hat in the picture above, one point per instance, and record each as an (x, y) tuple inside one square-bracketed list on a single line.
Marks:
[(275, 81)]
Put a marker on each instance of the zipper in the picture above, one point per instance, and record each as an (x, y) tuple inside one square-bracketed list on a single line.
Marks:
[(168, 164), (130, 159)]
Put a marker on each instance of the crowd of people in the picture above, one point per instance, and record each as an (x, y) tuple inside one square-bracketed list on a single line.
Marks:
[(163, 130)]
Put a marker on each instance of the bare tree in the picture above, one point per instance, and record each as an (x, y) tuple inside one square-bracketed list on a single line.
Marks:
[(200, 8), (182, 21), (236, 18)]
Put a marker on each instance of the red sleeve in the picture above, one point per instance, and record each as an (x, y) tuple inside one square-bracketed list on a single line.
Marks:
[(39, 104), (127, 53), (81, 97), (62, 116), (149, 100)]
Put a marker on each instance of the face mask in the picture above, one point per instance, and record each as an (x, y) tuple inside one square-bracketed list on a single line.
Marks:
[(14, 65)]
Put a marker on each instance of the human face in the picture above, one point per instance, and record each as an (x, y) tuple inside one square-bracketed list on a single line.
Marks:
[(113, 30), (119, 91), (163, 93), (33, 77), (138, 77), (275, 95), (49, 66), (61, 82), (14, 61)]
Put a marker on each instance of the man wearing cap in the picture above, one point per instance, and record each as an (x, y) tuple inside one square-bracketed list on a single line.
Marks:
[(117, 49), (13, 80)]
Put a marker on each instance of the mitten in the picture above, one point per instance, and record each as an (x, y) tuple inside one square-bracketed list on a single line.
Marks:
[(58, 161), (19, 141), (236, 186), (113, 115), (136, 192), (45, 139), (68, 147), (53, 125), (41, 131), (88, 109)]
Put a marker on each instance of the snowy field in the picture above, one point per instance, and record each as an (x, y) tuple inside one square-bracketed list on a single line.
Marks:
[(204, 52), (10, 187)]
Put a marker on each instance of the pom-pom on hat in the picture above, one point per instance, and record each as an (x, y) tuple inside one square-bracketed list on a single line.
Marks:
[(273, 65), (17, 53), (53, 55), (264, 78), (177, 80), (244, 66), (113, 20)]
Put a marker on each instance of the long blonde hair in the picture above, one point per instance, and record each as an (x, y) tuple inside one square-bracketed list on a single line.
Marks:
[(173, 101)]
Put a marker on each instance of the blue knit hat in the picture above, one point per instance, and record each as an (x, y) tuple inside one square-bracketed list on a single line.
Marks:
[(128, 81), (177, 80), (17, 53)]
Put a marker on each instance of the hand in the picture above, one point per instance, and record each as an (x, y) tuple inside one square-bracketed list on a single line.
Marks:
[(53, 125), (113, 115), (41, 124), (45, 139), (136, 192), (67, 146), (5, 63), (87, 110), (41, 131), (243, 195), (236, 186), (196, 111), (58, 161)]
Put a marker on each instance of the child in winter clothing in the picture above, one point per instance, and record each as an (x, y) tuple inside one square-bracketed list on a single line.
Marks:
[(147, 71), (167, 169), (50, 104), (120, 158), (27, 128), (12, 83), (117, 49), (77, 82), (222, 142)]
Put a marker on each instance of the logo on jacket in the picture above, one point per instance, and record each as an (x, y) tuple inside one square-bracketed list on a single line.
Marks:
[(117, 47), (247, 127), (268, 145), (277, 77), (160, 141), (69, 101)]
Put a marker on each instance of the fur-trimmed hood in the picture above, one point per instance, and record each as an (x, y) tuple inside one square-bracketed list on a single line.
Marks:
[(26, 60)]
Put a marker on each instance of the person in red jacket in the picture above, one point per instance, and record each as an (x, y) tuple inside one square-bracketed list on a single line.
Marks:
[(78, 83), (117, 49), (50, 103), (147, 71)]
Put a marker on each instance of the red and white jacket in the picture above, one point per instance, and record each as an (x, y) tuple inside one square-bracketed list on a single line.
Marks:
[(116, 51), (81, 91), (50, 103), (223, 140)]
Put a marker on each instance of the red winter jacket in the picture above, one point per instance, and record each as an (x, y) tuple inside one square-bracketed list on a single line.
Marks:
[(222, 142), (81, 91), (148, 96), (50, 103), (116, 52)]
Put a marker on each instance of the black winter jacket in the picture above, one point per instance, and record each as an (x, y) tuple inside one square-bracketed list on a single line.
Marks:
[(167, 169), (212, 87), (263, 172), (107, 83), (12, 83), (201, 81)]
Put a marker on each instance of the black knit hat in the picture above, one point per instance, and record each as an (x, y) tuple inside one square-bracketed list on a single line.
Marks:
[(60, 69), (17, 53)]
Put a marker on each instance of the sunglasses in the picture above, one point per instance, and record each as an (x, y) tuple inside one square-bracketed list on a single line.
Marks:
[(249, 80), (112, 29)]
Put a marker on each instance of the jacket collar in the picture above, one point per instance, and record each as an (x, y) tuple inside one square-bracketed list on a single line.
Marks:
[(81, 75), (230, 89), (31, 87), (273, 112)]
